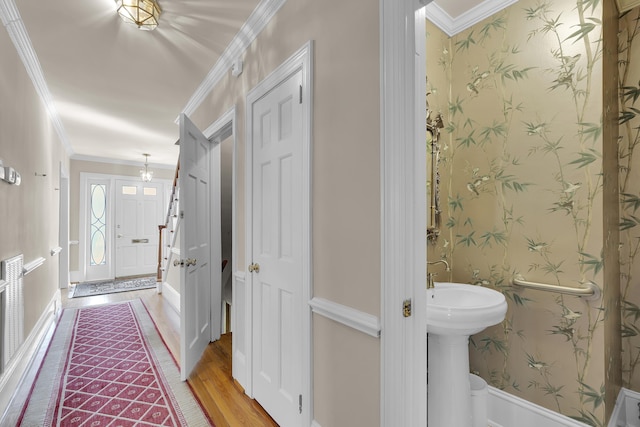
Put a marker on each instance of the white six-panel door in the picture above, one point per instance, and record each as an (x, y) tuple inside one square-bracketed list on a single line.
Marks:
[(195, 247), (277, 250)]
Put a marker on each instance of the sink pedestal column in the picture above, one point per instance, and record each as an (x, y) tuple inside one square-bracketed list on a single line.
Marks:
[(449, 390)]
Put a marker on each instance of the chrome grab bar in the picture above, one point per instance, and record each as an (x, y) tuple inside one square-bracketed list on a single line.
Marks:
[(590, 291)]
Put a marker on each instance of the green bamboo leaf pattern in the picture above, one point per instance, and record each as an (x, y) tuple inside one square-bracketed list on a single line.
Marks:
[(627, 115), (466, 43), (631, 92), (467, 240), (509, 181), (630, 310), (627, 222), (592, 395), (504, 144), (586, 158), (629, 330), (496, 236), (631, 200), (592, 263), (456, 203), (583, 31), (592, 130)]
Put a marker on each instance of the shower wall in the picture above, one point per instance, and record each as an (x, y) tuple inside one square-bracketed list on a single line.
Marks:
[(522, 174)]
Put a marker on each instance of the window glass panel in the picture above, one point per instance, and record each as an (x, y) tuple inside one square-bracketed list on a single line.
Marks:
[(129, 190), (150, 191), (98, 224)]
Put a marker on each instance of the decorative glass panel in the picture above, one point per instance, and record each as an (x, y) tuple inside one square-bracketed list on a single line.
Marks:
[(98, 224), (150, 191), (129, 190)]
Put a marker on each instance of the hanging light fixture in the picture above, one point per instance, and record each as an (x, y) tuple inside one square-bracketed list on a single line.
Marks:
[(145, 173), (143, 13)]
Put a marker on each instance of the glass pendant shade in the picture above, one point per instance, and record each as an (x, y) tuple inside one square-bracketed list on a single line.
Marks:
[(143, 13), (145, 174)]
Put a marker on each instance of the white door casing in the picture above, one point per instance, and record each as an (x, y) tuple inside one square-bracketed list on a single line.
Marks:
[(403, 398), (101, 268), (195, 247), (139, 208), (279, 240)]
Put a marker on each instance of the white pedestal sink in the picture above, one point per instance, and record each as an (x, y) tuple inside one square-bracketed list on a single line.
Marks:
[(454, 312)]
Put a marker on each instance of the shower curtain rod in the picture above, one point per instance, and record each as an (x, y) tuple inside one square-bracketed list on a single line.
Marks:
[(589, 292)]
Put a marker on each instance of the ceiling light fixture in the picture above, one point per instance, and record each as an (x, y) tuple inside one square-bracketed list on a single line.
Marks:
[(145, 173), (143, 13)]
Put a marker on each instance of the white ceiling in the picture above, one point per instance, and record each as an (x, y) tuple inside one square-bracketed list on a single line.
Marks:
[(115, 91)]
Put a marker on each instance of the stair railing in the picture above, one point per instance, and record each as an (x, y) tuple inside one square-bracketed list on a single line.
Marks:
[(165, 230)]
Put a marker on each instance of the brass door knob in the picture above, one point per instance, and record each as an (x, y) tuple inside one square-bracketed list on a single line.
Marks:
[(254, 268)]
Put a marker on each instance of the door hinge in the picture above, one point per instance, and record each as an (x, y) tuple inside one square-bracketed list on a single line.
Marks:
[(181, 214), (300, 403), (300, 94), (406, 308)]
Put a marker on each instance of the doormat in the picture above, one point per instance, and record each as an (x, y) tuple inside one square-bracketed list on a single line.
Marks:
[(88, 289), (108, 366)]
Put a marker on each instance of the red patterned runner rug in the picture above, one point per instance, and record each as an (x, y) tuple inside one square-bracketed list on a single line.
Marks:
[(108, 366)]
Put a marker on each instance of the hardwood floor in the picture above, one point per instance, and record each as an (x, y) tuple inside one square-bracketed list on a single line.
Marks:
[(221, 397)]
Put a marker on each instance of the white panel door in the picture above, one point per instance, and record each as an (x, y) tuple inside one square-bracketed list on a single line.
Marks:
[(139, 211), (277, 250), (195, 236)]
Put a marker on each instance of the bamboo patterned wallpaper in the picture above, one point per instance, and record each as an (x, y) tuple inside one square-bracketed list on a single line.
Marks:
[(629, 75), (521, 192)]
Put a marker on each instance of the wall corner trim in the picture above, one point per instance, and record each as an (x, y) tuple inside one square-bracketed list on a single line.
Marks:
[(348, 316)]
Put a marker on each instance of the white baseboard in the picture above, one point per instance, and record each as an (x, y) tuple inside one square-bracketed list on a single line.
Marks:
[(172, 296), (23, 359), (508, 410), (314, 423), (75, 277)]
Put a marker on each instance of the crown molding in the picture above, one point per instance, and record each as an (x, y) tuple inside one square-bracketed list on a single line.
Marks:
[(452, 26), (85, 158), (18, 33), (254, 25)]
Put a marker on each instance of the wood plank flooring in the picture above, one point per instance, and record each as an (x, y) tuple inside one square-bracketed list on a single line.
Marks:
[(221, 397)]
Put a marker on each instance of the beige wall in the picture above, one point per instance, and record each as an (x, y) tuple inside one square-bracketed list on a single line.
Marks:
[(30, 211), (80, 166), (346, 184)]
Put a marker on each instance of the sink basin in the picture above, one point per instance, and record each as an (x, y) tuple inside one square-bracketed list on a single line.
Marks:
[(462, 309)]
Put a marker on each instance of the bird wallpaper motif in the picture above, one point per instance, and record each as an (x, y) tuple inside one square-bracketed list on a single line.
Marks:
[(521, 193)]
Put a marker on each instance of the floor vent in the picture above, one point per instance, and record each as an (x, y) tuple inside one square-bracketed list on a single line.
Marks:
[(12, 309)]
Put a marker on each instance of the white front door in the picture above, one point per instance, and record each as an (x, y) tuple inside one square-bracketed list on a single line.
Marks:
[(138, 213), (195, 245), (276, 132)]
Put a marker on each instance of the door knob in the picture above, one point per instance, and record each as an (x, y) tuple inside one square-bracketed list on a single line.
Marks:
[(185, 262), (254, 268)]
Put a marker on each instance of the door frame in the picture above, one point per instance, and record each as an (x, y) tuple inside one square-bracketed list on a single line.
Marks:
[(63, 230), (83, 223), (302, 61), (403, 391), (215, 134)]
